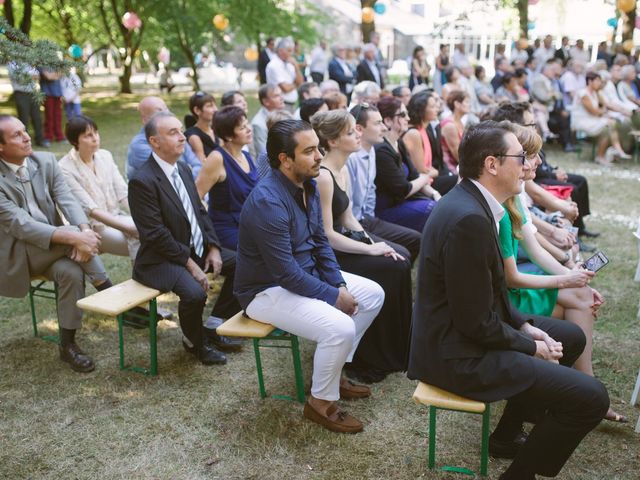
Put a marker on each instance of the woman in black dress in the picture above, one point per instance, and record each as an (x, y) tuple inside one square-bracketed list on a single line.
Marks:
[(201, 136), (384, 347)]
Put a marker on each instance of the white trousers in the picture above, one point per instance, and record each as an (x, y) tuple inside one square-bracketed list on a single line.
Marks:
[(336, 333)]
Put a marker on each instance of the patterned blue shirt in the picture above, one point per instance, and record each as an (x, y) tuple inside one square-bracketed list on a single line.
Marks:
[(282, 243)]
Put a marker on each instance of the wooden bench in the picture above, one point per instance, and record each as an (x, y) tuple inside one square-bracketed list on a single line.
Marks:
[(438, 399), (241, 326), (120, 299), (39, 288)]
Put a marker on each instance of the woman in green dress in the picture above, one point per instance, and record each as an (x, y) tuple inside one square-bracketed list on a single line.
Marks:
[(560, 292)]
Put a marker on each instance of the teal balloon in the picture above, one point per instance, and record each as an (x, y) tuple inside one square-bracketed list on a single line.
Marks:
[(75, 51), (612, 22), (531, 26), (380, 8)]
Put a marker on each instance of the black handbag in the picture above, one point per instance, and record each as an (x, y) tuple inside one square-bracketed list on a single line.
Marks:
[(358, 236)]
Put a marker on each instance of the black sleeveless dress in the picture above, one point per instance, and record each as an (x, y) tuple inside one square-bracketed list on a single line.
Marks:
[(207, 142), (385, 345)]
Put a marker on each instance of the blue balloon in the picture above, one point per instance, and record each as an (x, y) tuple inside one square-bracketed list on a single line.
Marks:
[(612, 22), (531, 26), (380, 8), (75, 51)]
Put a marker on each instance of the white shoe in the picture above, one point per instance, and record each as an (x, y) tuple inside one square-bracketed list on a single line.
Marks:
[(623, 155)]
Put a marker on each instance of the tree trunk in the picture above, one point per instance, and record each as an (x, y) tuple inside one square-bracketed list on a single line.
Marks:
[(25, 24), (628, 24), (8, 13), (125, 78), (367, 28), (523, 15)]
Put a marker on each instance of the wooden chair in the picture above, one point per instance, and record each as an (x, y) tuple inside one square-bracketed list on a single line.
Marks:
[(120, 299), (437, 399), (241, 326)]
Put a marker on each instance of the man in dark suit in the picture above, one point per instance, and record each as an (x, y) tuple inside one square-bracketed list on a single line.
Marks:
[(178, 243), (264, 58), (340, 71), (368, 68), (467, 338), (446, 179)]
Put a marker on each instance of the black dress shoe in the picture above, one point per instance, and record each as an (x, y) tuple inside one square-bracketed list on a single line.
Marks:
[(364, 375), (208, 355), (76, 358), (508, 448), (226, 344), (588, 234), (136, 322)]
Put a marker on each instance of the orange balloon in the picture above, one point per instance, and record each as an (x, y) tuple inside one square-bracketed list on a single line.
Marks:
[(220, 21), (251, 54), (626, 5), (628, 45), (367, 15)]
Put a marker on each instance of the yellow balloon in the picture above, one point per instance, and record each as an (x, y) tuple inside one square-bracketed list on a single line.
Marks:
[(367, 15), (251, 54), (220, 21), (626, 5), (628, 45)]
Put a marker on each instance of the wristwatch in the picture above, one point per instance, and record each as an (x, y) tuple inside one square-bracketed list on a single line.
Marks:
[(341, 284)]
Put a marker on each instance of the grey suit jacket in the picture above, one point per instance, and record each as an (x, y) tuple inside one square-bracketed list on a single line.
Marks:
[(18, 228)]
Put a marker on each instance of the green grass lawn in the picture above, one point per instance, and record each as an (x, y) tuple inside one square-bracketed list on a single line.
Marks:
[(197, 422)]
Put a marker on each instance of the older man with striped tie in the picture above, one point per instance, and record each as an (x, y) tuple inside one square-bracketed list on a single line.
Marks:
[(178, 243)]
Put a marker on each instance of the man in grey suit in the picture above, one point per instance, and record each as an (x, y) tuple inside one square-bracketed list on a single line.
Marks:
[(34, 240)]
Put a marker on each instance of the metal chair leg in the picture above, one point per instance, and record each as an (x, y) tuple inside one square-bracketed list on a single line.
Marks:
[(432, 437), (153, 336), (256, 350), (297, 368), (484, 452)]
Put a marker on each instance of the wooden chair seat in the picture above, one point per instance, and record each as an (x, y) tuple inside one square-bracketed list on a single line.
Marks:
[(241, 326), (434, 396), (118, 299)]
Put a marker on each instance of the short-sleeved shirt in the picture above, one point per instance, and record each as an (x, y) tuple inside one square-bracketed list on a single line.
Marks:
[(280, 72)]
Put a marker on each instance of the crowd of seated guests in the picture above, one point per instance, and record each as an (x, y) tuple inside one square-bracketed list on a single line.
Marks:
[(336, 194)]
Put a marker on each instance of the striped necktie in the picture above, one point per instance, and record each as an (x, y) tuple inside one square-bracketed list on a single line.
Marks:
[(196, 234)]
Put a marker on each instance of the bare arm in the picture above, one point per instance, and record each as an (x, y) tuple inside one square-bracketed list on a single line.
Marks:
[(515, 279), (212, 172), (114, 221), (197, 147), (450, 134), (541, 197), (415, 149)]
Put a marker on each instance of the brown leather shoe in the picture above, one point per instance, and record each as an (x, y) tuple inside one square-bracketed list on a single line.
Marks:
[(76, 358), (333, 419), (349, 390)]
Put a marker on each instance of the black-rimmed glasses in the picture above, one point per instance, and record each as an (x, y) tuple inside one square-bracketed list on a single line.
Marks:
[(522, 156), (401, 114)]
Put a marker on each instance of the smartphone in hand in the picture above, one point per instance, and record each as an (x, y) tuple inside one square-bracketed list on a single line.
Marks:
[(596, 262)]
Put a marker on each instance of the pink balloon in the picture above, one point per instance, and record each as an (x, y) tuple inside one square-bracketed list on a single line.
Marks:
[(637, 22), (533, 2), (131, 21)]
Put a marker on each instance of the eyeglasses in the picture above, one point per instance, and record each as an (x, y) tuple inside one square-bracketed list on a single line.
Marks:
[(199, 94), (362, 106), (401, 114), (522, 156)]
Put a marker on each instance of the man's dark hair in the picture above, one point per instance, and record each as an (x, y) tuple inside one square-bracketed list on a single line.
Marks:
[(591, 76), (397, 92), (3, 118), (506, 78), (76, 127), (479, 142), (264, 91), (416, 107), (227, 97), (478, 70), (151, 127), (512, 111), (361, 113), (226, 120), (520, 72), (281, 138), (310, 106), (304, 89)]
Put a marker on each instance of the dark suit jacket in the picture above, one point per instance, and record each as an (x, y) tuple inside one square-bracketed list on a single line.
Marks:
[(364, 73), (465, 335), (436, 151), (263, 61), (163, 225), (337, 73)]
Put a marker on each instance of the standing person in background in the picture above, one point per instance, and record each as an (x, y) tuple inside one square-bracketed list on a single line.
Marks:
[(52, 89), (382, 63), (563, 54), (579, 53), (442, 62), (27, 107), (284, 72), (300, 59), (368, 69), (419, 68), (318, 64), (340, 71), (544, 52), (266, 54), (71, 87), (270, 98)]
